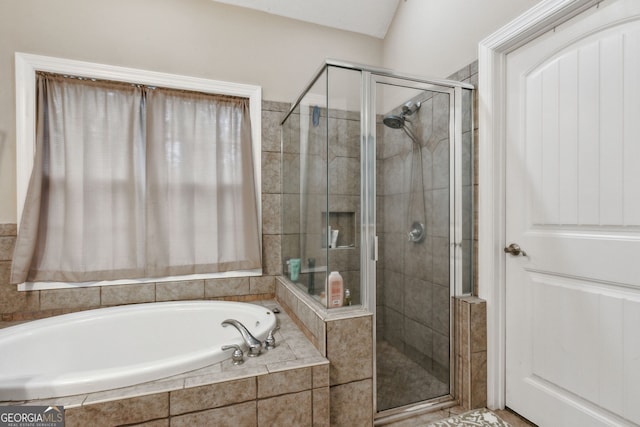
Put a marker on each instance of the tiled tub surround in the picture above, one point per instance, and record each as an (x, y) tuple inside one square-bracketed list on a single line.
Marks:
[(285, 386), (115, 347), (345, 337)]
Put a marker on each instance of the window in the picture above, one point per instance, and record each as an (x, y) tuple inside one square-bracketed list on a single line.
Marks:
[(168, 175)]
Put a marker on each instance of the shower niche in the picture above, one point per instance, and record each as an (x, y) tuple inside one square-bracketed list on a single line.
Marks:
[(341, 229), (385, 160)]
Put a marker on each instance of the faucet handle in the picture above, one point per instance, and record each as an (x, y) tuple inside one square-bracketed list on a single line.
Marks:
[(237, 358), (270, 342)]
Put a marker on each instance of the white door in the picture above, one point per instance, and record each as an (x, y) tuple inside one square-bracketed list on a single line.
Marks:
[(573, 205)]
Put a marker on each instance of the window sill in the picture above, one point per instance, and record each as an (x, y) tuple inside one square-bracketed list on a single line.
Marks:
[(38, 286)]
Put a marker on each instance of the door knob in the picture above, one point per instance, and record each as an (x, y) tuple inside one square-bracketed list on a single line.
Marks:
[(514, 249)]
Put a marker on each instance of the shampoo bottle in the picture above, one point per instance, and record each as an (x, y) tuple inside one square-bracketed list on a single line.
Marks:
[(335, 290)]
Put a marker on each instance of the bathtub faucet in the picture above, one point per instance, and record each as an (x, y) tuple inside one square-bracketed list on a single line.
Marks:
[(254, 344)]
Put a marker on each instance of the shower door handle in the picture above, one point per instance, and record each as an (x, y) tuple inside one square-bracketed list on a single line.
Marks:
[(515, 250), (375, 249)]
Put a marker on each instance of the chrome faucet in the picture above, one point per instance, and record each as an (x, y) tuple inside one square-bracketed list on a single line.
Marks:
[(254, 344)]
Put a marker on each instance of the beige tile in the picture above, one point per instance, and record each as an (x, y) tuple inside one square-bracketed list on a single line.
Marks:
[(277, 106), (212, 396), (321, 407), (465, 383), (478, 377), (125, 411), (262, 285), (289, 381), (243, 414), (282, 292), (291, 172), (69, 298), (271, 246), (271, 213), (271, 166), (291, 214), (143, 389), (320, 375), (309, 318), (352, 404), (5, 272), (458, 387), (478, 327), (128, 294), (349, 343), (226, 287), (155, 423), (12, 301), (181, 290), (7, 243), (287, 410), (271, 130), (464, 313), (228, 372), (8, 229)]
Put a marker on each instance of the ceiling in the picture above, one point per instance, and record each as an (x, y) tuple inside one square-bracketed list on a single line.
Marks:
[(360, 16)]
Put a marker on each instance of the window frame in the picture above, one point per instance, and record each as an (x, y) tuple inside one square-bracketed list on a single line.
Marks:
[(26, 66)]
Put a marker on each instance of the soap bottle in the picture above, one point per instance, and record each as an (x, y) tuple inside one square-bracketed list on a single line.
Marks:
[(335, 290), (347, 297)]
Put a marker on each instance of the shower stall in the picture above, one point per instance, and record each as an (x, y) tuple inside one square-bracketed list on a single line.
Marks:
[(377, 185)]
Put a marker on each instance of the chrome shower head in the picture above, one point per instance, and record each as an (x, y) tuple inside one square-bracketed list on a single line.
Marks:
[(393, 121)]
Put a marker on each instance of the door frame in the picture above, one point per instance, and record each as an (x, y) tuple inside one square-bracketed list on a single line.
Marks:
[(492, 53)]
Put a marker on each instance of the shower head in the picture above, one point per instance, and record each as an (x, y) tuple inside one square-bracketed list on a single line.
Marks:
[(400, 121), (393, 121)]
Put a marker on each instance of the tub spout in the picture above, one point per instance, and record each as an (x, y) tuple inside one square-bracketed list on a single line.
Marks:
[(254, 344)]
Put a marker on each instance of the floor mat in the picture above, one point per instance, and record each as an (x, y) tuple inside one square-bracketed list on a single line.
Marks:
[(476, 418)]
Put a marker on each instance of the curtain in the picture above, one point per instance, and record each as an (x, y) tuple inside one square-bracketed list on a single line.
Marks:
[(136, 182), (202, 214)]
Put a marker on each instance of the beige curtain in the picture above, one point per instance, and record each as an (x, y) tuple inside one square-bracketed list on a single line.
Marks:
[(202, 212), (133, 182)]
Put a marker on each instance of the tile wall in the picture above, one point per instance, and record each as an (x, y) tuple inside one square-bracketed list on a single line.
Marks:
[(414, 295), (471, 352), (346, 339)]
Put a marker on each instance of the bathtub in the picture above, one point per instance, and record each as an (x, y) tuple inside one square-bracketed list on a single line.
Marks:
[(114, 347)]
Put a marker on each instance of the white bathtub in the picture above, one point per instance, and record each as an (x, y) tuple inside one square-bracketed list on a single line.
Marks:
[(116, 347)]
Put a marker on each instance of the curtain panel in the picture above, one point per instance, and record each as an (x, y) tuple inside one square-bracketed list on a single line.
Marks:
[(137, 182)]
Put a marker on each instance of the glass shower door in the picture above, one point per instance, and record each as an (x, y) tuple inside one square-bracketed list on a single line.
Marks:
[(414, 217)]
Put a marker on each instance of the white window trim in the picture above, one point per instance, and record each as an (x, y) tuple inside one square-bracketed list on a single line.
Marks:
[(26, 67)]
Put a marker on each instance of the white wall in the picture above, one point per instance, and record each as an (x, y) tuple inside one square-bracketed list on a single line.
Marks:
[(435, 38), (191, 37)]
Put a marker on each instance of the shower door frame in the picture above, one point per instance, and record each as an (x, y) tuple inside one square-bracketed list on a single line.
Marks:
[(370, 81)]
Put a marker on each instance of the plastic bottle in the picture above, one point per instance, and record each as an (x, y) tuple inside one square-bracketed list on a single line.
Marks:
[(347, 297), (335, 289)]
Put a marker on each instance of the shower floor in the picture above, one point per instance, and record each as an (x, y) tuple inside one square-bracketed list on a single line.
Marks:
[(401, 381)]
